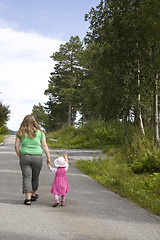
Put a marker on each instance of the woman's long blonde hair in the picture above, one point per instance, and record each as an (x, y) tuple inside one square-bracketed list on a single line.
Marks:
[(29, 125)]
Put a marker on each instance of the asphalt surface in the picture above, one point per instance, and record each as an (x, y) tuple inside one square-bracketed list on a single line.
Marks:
[(92, 212)]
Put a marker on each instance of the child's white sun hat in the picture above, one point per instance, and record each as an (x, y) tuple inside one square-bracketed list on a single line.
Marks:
[(60, 162)]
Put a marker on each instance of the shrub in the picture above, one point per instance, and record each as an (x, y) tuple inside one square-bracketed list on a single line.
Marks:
[(154, 182), (4, 130), (149, 163), (105, 133)]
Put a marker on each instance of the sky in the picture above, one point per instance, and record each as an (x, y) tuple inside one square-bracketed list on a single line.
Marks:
[(30, 32)]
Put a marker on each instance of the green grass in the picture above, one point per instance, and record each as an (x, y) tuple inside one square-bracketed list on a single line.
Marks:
[(116, 175), (65, 138), (132, 169), (2, 137), (92, 136)]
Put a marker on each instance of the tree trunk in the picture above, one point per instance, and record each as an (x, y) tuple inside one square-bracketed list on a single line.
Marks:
[(155, 100), (125, 122), (83, 119), (69, 113), (139, 107), (155, 110), (70, 105), (63, 125)]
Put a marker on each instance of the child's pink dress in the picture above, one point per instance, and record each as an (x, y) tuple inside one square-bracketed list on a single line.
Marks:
[(60, 184)]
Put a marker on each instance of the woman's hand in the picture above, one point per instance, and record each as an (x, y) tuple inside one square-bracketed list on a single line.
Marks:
[(48, 161), (46, 149), (49, 165), (17, 146)]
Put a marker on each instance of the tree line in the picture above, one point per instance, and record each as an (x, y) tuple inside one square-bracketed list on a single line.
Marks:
[(112, 74)]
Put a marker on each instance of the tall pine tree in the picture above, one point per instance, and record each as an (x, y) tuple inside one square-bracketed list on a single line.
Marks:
[(65, 81)]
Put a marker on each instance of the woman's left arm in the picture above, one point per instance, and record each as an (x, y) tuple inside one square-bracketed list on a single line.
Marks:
[(46, 149), (17, 146)]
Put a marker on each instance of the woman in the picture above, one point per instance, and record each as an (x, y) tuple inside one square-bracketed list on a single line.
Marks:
[(30, 137)]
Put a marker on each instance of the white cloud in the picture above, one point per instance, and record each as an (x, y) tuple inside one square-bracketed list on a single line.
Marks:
[(25, 68)]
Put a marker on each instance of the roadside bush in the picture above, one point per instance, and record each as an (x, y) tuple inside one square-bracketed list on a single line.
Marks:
[(108, 133), (154, 182), (136, 147), (4, 130), (141, 154), (103, 133), (149, 163)]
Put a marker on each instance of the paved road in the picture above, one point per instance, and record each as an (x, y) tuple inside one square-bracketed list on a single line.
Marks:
[(92, 212)]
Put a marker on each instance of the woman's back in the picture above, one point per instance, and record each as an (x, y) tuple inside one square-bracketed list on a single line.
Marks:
[(32, 145)]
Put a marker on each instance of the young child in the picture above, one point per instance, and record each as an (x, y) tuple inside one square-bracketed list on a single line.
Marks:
[(60, 184)]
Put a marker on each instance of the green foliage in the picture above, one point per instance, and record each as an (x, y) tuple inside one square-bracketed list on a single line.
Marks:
[(2, 137), (141, 154), (61, 138), (122, 55), (108, 133), (4, 130), (65, 83), (4, 114), (154, 182), (92, 135), (139, 151), (149, 163), (42, 117)]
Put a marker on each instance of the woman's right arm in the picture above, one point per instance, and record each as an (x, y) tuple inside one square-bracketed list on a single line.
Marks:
[(17, 146), (46, 149)]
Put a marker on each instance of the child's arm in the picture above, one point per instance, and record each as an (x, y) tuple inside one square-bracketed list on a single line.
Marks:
[(65, 157), (54, 170)]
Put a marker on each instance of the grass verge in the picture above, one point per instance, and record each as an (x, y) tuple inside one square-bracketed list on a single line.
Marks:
[(116, 175)]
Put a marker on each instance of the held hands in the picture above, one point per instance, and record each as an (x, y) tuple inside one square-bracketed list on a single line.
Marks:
[(48, 160), (49, 165)]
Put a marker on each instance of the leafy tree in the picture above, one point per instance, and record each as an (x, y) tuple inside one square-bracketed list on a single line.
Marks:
[(41, 116), (4, 114), (65, 81), (115, 63), (152, 15), (127, 50)]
